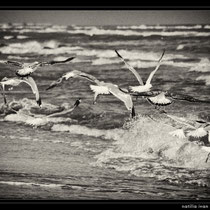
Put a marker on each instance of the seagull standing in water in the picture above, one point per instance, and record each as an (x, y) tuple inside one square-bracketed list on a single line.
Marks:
[(100, 87), (26, 69), (14, 81)]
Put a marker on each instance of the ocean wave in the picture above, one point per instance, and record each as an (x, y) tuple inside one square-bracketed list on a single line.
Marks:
[(8, 37), (21, 37), (202, 66), (31, 184), (35, 121), (145, 27), (39, 29), (28, 113), (206, 78), (15, 37), (112, 134), (42, 48), (207, 26), (102, 56), (151, 140), (98, 31), (137, 59)]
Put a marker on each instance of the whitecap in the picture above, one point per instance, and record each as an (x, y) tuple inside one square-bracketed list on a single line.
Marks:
[(206, 78), (202, 66)]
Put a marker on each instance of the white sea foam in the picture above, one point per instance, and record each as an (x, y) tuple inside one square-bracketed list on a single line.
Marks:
[(43, 48), (16, 183), (8, 37), (98, 31), (21, 37), (112, 134), (206, 78), (202, 66), (144, 27), (149, 140), (207, 26), (180, 47)]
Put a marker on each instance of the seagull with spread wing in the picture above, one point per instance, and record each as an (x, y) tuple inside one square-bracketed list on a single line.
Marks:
[(98, 88), (14, 81), (142, 87), (156, 99), (25, 69)]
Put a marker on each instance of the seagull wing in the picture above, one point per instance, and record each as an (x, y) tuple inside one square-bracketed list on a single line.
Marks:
[(89, 77), (51, 62), (30, 81), (181, 121), (131, 69), (13, 63), (154, 71), (65, 111), (160, 99), (55, 83), (197, 133), (182, 97), (126, 98)]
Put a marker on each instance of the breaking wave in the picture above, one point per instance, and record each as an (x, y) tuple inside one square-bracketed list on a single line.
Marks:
[(206, 78), (99, 31), (202, 66), (27, 112), (43, 48), (146, 149), (145, 27)]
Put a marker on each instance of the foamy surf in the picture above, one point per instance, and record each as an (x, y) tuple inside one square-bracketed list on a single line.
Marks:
[(150, 140), (205, 78), (111, 134), (128, 32), (31, 184), (28, 113)]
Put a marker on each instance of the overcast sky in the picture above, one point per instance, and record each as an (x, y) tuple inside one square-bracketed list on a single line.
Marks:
[(106, 17)]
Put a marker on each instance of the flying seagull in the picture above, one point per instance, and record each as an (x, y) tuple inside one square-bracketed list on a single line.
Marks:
[(164, 98), (14, 81), (99, 87), (26, 69), (142, 87)]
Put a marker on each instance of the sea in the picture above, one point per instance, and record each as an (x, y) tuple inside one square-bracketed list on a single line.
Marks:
[(97, 151)]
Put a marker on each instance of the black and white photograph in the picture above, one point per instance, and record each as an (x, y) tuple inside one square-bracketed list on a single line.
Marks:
[(105, 105)]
